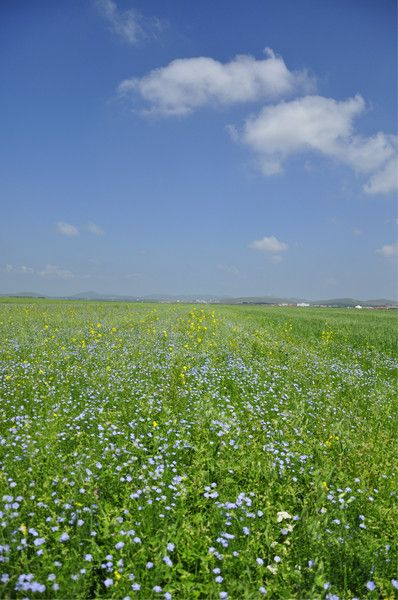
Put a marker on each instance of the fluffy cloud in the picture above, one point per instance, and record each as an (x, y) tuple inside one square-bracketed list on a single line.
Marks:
[(385, 180), (186, 84), (388, 250), (325, 126), (125, 24), (269, 244), (54, 271), (66, 228), (95, 229)]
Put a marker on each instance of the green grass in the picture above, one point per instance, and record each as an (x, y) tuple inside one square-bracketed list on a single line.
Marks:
[(260, 442)]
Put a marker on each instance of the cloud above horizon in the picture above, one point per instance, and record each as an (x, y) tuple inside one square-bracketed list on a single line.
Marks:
[(385, 180), (95, 229), (388, 250), (186, 84), (55, 271), (325, 126), (130, 25), (269, 244), (19, 270), (303, 125), (64, 228), (48, 271), (229, 269)]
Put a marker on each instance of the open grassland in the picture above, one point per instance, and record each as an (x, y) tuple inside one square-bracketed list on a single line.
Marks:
[(172, 451)]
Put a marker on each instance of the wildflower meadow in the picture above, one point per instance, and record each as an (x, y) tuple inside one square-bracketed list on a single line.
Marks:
[(207, 452)]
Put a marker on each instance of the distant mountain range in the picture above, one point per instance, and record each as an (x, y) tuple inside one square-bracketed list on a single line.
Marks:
[(203, 298), (350, 302)]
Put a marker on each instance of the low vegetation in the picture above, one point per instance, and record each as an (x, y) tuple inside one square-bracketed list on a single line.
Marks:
[(179, 451)]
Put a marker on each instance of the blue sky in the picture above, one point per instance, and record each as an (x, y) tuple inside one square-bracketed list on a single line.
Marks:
[(238, 148)]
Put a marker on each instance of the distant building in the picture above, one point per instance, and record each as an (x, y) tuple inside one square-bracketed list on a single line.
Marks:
[(302, 304), (358, 306)]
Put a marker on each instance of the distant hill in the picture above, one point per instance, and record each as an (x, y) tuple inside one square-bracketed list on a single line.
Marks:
[(90, 295), (148, 297), (207, 298), (344, 302), (336, 302), (24, 295), (261, 300)]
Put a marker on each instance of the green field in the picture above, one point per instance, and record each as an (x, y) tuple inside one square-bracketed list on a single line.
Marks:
[(178, 451)]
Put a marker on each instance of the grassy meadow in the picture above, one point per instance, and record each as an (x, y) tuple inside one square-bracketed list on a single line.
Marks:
[(197, 452)]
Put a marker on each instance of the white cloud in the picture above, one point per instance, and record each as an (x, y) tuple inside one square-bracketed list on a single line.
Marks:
[(384, 181), (48, 271), (269, 244), (27, 270), (130, 25), (325, 126), (186, 84), (54, 271), (388, 250), (19, 270), (125, 24), (66, 228), (276, 259), (95, 229), (356, 231)]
